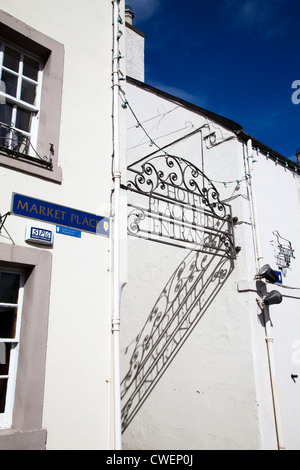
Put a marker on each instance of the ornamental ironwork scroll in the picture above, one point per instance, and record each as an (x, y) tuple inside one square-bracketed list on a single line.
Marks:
[(177, 204), (174, 203)]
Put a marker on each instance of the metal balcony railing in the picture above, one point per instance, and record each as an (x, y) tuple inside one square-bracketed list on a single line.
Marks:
[(14, 143)]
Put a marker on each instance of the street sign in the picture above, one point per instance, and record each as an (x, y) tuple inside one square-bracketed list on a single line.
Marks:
[(71, 232), (49, 212)]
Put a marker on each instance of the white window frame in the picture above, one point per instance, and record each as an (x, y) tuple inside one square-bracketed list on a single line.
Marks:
[(6, 417), (16, 101)]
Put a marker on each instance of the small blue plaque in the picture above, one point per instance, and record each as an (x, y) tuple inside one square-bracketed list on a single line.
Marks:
[(279, 274), (71, 232)]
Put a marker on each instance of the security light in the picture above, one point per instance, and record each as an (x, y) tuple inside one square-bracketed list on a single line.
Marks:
[(274, 297), (267, 273)]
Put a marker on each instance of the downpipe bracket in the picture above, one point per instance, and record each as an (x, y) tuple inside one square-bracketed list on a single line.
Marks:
[(115, 324)]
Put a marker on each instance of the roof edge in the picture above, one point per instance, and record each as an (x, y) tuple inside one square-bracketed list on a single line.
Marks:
[(133, 28), (273, 154), (228, 123), (223, 121)]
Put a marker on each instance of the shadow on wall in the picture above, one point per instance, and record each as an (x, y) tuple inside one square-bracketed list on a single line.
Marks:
[(186, 297)]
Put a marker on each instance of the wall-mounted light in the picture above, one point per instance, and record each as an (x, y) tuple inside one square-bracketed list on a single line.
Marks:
[(266, 272), (274, 297)]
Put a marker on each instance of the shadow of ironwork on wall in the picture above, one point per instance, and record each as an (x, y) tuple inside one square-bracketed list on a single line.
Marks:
[(182, 303)]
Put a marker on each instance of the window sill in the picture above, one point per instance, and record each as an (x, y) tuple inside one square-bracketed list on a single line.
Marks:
[(31, 168), (11, 439)]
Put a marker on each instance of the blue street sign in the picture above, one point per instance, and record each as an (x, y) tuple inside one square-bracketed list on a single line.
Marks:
[(71, 232), (59, 215)]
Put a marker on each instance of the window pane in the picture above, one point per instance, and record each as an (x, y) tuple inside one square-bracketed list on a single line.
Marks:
[(3, 90), (23, 120), (3, 388), (9, 287), (11, 59), (5, 349), (11, 83), (28, 92), (31, 68), (8, 321), (2, 357), (5, 113), (5, 117), (13, 140), (21, 143)]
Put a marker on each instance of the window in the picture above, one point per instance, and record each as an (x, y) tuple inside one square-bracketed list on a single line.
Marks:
[(21, 77), (31, 83), (25, 286), (11, 295)]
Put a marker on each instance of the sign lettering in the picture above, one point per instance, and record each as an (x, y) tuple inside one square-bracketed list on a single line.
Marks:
[(171, 204), (59, 215)]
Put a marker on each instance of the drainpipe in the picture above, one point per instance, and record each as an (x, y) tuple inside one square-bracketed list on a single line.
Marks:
[(116, 228), (267, 321)]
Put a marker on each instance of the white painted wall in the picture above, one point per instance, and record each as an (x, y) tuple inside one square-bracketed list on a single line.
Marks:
[(277, 193), (216, 393), (208, 398), (77, 389)]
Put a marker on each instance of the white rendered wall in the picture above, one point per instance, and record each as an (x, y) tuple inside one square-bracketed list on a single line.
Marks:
[(278, 210), (208, 397), (135, 54), (77, 389)]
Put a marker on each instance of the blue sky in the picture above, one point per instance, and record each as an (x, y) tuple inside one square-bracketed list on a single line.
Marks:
[(237, 58)]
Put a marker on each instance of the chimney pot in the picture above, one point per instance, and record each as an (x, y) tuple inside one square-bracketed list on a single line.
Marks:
[(129, 15)]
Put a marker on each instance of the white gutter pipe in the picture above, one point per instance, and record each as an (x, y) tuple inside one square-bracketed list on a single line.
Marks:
[(108, 380), (116, 230), (268, 331)]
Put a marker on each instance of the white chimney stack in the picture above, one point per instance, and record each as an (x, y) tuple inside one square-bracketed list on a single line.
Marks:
[(135, 48)]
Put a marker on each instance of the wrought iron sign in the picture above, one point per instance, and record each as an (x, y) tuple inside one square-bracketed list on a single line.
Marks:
[(175, 203), (283, 251)]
